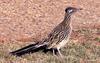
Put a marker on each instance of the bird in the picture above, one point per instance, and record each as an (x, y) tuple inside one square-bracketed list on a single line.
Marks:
[(57, 38)]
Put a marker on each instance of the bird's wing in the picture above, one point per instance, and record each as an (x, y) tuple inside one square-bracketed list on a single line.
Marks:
[(57, 35)]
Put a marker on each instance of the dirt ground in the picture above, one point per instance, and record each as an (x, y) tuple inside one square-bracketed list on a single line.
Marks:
[(32, 20), (25, 21)]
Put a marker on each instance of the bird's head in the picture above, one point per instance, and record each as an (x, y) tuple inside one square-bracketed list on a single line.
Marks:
[(71, 10)]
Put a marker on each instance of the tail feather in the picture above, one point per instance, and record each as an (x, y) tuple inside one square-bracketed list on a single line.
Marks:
[(29, 49)]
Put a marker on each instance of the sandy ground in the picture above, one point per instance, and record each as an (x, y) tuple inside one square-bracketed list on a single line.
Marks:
[(25, 21), (32, 20)]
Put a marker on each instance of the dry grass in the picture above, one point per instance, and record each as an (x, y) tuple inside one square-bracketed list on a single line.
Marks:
[(87, 51), (22, 21)]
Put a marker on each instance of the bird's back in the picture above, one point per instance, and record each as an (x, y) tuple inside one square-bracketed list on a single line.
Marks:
[(59, 36)]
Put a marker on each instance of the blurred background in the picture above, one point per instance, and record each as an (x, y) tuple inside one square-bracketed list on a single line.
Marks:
[(23, 22), (32, 20)]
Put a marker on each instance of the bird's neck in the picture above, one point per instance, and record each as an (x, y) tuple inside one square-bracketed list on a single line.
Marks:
[(67, 20)]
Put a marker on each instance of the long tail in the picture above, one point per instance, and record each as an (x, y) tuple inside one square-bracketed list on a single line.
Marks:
[(29, 49)]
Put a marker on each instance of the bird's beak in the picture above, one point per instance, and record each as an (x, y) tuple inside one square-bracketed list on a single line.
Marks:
[(79, 9)]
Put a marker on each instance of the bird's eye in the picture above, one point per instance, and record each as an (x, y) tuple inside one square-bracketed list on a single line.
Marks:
[(70, 11)]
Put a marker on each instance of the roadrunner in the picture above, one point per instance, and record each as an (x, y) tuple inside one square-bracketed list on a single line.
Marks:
[(55, 40)]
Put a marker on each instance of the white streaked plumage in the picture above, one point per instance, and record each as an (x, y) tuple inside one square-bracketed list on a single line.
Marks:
[(56, 39)]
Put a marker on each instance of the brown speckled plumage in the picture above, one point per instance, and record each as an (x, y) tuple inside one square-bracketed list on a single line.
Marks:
[(56, 39), (60, 32)]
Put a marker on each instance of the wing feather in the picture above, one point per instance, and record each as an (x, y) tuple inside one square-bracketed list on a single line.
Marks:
[(57, 35)]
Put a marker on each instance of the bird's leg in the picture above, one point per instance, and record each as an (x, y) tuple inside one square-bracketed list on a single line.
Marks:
[(53, 52), (59, 52), (61, 58)]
